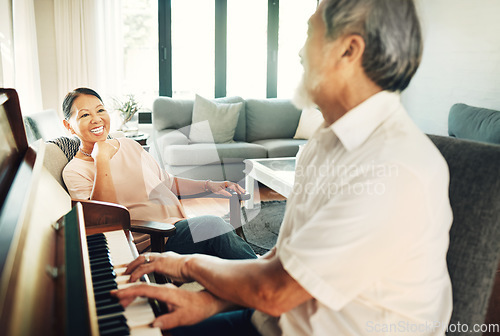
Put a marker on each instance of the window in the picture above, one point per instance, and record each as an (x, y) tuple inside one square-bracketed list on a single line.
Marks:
[(140, 44), (242, 46), (294, 15), (246, 48), (193, 50)]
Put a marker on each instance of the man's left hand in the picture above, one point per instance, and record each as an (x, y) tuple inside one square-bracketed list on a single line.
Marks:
[(184, 307)]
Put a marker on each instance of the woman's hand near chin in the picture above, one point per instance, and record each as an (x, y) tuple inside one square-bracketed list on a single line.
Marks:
[(103, 150), (104, 188)]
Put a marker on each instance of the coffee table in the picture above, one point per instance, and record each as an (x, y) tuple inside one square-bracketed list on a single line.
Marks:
[(276, 173)]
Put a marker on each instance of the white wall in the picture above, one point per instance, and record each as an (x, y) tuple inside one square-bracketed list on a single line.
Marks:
[(461, 61)]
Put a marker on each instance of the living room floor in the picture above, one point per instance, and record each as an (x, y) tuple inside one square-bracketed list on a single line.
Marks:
[(219, 207)]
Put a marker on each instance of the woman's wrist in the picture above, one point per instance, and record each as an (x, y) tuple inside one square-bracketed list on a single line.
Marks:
[(206, 186)]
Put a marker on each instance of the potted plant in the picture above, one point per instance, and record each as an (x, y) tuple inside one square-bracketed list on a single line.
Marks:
[(128, 109)]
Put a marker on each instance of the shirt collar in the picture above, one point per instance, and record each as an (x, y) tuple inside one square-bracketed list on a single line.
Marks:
[(354, 127)]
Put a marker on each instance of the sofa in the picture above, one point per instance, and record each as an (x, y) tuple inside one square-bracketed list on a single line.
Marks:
[(477, 130), (265, 128), (474, 123)]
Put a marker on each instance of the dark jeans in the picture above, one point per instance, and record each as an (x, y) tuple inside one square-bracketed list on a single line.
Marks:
[(220, 240), (234, 323), (209, 235)]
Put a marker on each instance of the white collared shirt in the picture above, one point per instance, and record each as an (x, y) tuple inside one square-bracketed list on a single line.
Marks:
[(366, 228)]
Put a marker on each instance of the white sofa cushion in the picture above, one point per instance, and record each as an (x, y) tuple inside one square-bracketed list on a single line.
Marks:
[(204, 154), (213, 122), (310, 120)]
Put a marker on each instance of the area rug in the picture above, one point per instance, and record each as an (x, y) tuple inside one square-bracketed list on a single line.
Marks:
[(261, 225)]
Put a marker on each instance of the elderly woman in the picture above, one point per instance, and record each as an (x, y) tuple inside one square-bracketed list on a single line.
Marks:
[(121, 171)]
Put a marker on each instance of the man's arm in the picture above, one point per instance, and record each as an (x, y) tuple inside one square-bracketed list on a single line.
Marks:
[(262, 284)]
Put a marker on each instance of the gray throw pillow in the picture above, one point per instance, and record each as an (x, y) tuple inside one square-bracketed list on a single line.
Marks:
[(213, 122)]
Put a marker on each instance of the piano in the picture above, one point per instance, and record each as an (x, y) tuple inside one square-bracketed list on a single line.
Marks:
[(56, 269)]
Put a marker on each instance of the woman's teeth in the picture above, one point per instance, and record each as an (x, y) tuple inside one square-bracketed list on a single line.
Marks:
[(97, 130)]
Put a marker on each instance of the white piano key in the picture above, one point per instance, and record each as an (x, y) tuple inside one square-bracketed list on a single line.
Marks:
[(139, 313), (122, 279), (119, 249)]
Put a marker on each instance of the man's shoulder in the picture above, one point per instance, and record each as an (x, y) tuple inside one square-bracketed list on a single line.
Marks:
[(403, 143)]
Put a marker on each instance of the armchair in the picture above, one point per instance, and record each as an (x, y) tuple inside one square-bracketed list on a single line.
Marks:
[(474, 252)]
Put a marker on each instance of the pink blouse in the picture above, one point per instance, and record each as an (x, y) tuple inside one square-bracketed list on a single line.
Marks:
[(141, 186)]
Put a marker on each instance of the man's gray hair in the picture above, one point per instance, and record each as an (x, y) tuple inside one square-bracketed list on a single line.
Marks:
[(392, 35)]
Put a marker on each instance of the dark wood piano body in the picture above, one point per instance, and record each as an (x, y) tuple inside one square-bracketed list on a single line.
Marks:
[(43, 290)]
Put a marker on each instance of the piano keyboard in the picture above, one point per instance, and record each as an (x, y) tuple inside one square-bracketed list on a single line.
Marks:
[(109, 255)]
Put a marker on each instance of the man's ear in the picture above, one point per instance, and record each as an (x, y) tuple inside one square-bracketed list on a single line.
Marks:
[(68, 126), (353, 48)]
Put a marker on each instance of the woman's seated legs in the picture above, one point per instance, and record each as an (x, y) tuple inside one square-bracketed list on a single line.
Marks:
[(208, 235), (224, 324)]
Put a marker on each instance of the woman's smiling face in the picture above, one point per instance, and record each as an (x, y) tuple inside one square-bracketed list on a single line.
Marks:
[(89, 119)]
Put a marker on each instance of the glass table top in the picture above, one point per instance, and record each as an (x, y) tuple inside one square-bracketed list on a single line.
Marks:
[(279, 164)]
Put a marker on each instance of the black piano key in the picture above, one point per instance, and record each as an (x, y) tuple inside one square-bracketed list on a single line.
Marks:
[(118, 331), (101, 294), (99, 264), (110, 309), (96, 236), (104, 329), (112, 322), (105, 286), (103, 280), (97, 260), (97, 241), (102, 270), (101, 267), (94, 245), (106, 301), (103, 276), (97, 244), (98, 252)]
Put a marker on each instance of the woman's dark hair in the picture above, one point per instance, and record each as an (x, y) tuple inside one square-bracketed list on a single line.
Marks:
[(71, 96)]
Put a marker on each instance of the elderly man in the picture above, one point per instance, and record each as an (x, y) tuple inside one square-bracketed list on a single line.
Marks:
[(362, 246)]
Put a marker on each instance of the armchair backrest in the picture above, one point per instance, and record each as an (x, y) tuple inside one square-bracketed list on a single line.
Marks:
[(54, 161), (43, 125), (474, 252)]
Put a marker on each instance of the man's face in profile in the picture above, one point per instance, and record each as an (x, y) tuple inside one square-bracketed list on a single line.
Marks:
[(302, 97), (313, 60)]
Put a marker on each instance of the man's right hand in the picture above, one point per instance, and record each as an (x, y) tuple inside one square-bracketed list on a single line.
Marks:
[(170, 264)]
